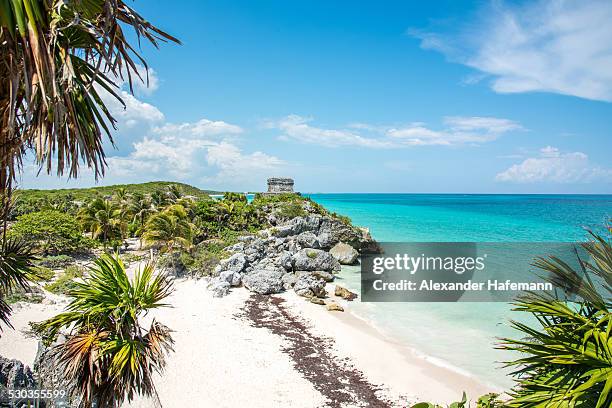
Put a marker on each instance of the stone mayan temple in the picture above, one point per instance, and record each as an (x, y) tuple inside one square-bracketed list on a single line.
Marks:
[(279, 185)]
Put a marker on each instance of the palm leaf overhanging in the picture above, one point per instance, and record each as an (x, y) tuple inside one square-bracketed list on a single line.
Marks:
[(109, 356), (57, 59), (568, 361)]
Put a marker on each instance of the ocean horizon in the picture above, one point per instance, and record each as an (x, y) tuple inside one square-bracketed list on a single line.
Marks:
[(438, 330)]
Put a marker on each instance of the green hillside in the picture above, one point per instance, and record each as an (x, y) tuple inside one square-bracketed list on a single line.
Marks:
[(87, 193)]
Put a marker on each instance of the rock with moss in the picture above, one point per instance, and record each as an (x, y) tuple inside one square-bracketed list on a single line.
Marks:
[(315, 260)]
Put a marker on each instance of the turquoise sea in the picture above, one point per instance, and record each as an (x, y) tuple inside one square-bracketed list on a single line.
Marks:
[(461, 335)]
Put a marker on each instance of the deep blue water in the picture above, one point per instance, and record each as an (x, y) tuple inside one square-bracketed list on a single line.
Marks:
[(461, 335)]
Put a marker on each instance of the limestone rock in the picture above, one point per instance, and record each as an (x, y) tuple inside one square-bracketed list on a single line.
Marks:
[(14, 374), (344, 253), (334, 307), (307, 240), (326, 276), (316, 301), (344, 293), (315, 260), (264, 281), (219, 287), (289, 280), (308, 285)]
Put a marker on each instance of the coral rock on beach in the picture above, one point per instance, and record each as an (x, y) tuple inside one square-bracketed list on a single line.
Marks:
[(276, 258), (344, 293), (315, 260), (334, 307), (264, 281), (344, 253), (309, 285)]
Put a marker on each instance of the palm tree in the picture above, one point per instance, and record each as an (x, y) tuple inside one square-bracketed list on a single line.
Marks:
[(16, 262), (104, 219), (159, 200), (140, 208), (174, 192), (57, 58), (108, 355), (170, 229), (16, 265), (568, 361)]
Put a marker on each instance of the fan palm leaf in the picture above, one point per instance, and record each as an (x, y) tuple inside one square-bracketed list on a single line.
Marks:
[(57, 58), (567, 362), (109, 356)]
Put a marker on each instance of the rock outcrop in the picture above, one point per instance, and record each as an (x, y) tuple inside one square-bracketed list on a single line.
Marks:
[(14, 374), (264, 281), (291, 254)]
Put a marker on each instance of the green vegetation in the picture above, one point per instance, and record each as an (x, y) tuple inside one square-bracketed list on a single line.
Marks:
[(41, 274), (87, 194), (50, 231), (485, 401), (567, 361), (55, 261), (106, 336), (65, 283), (22, 295)]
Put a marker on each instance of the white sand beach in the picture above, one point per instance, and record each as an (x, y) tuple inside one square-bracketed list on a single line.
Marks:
[(221, 360)]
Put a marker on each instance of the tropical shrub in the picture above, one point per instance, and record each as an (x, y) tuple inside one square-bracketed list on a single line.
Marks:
[(65, 283), (203, 260), (56, 261), (567, 360), (485, 401), (108, 354), (52, 232), (41, 274)]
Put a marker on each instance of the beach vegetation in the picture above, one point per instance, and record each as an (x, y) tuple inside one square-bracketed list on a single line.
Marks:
[(109, 355), (567, 359), (16, 265), (66, 281), (170, 229), (41, 274), (51, 232), (490, 400), (55, 261)]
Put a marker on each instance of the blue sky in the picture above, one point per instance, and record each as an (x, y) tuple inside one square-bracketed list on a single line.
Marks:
[(344, 96)]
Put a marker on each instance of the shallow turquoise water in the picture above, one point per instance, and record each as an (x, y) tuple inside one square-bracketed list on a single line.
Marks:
[(461, 334)]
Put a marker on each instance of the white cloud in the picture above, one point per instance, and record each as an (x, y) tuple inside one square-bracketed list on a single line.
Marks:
[(558, 46), (297, 128), (554, 166), (203, 127), (234, 165), (456, 130)]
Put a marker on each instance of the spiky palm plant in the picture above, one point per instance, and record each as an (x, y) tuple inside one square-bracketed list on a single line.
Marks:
[(169, 229), (16, 262), (57, 59), (568, 360), (104, 219), (16, 266), (108, 355)]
